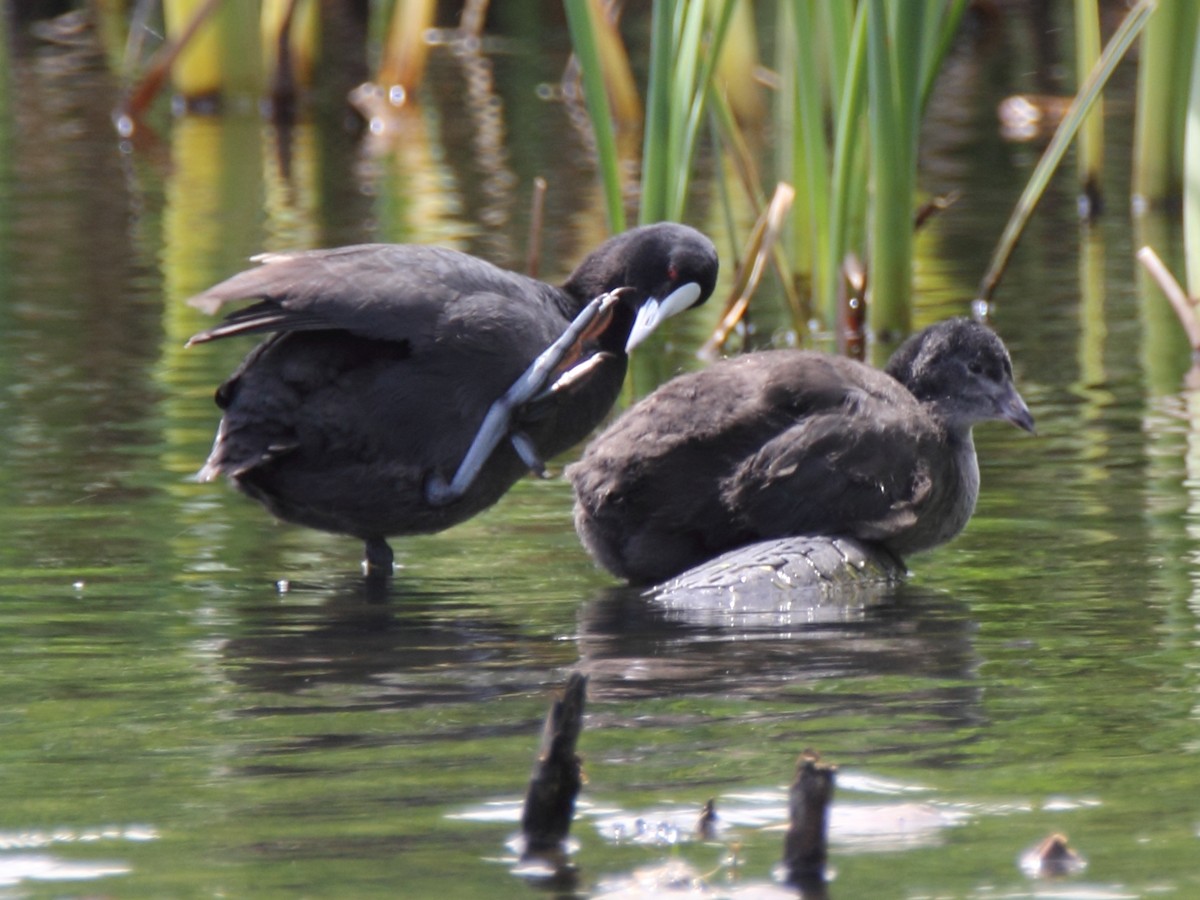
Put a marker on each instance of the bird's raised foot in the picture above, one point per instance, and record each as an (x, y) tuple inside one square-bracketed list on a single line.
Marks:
[(542, 373), (567, 350), (575, 375)]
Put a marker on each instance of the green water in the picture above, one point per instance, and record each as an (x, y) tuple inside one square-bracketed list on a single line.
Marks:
[(196, 701)]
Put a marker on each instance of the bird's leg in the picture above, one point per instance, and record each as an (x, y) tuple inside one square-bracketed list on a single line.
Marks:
[(379, 558), (497, 424), (439, 492), (528, 453)]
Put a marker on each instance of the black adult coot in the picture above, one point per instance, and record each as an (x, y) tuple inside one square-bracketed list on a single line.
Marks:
[(790, 442), (405, 388)]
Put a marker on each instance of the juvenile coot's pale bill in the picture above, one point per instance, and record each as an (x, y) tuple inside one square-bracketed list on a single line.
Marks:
[(406, 388), (790, 442)]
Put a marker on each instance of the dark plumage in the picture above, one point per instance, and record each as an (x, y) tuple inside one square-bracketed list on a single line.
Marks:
[(792, 442), (356, 414)]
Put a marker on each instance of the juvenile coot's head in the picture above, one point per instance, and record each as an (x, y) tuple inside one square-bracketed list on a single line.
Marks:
[(962, 370)]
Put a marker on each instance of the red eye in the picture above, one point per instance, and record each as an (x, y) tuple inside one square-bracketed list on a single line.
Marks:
[(672, 273)]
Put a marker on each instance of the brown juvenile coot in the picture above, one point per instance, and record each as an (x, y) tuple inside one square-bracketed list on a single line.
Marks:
[(792, 442), (405, 388)]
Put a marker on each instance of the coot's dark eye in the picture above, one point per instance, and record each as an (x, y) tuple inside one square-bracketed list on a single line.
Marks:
[(975, 367), (672, 272)]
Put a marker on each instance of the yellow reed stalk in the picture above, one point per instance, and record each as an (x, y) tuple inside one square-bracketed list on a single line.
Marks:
[(406, 50), (197, 71), (624, 102), (1090, 151), (737, 65)]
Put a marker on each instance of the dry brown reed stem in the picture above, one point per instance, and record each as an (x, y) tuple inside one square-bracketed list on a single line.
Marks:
[(759, 250), (406, 49), (283, 83), (1184, 306), (533, 252), (472, 19), (159, 67)]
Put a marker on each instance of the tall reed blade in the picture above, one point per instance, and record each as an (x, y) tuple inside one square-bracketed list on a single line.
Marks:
[(1090, 155), (1118, 45), (848, 178), (587, 51), (1164, 64), (808, 157), (893, 68), (685, 48), (623, 99)]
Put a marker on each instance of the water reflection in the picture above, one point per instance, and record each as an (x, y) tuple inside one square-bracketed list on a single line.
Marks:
[(630, 646), (399, 645), (904, 648)]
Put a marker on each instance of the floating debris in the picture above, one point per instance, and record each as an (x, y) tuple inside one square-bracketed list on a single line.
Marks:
[(1052, 858)]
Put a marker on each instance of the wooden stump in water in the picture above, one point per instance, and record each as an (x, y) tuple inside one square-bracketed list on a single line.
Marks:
[(557, 776), (805, 848)]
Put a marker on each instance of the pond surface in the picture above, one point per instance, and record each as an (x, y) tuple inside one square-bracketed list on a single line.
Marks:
[(197, 701)]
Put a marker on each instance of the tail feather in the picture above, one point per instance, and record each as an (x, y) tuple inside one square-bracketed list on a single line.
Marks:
[(212, 466), (228, 458)]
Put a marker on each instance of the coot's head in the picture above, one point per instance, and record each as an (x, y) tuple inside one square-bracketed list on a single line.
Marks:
[(962, 369), (666, 268)]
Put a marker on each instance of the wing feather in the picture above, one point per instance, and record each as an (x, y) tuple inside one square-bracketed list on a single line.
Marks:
[(382, 291), (821, 477)]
